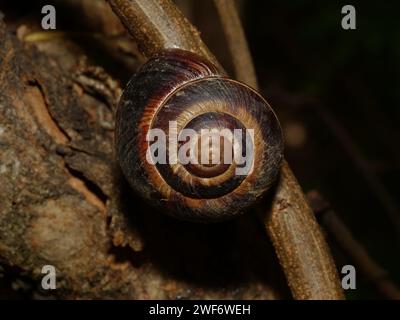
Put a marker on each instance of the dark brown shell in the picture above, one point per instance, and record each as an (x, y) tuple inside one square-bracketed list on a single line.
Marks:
[(179, 86)]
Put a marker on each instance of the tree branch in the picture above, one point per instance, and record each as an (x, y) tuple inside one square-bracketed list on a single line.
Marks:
[(157, 25), (297, 238), (64, 203), (238, 47)]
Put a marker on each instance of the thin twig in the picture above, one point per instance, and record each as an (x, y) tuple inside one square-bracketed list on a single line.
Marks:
[(299, 242), (354, 249), (277, 223), (297, 238), (237, 42)]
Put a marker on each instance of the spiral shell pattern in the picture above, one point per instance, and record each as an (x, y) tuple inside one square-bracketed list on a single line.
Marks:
[(179, 87)]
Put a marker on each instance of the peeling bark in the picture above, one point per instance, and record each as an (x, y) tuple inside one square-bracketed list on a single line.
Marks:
[(64, 202)]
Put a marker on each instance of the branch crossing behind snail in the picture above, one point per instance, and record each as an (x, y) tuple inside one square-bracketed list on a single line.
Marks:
[(179, 91)]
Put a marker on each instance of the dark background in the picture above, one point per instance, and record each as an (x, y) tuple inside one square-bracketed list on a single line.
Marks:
[(350, 149), (337, 95)]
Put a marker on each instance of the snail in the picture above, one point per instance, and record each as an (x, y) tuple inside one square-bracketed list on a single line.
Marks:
[(194, 143)]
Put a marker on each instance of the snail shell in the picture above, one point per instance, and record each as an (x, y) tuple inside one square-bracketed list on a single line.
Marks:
[(180, 87)]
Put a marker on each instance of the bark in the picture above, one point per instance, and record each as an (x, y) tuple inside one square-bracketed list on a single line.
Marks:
[(289, 221), (64, 202)]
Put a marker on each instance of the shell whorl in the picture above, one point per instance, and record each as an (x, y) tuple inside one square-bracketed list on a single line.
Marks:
[(181, 87)]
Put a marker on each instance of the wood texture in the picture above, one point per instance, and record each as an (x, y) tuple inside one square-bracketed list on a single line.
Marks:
[(238, 47), (64, 202), (297, 238)]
